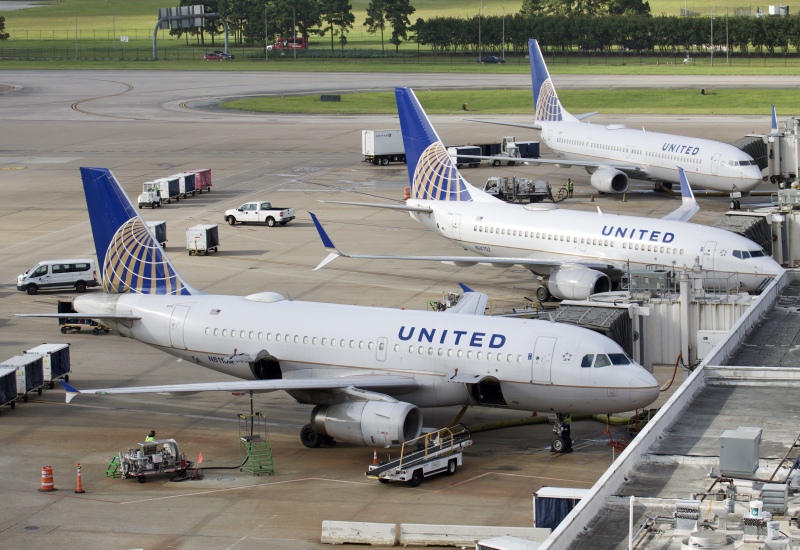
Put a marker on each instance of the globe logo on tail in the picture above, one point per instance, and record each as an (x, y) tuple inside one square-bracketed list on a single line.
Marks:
[(548, 108), (135, 263), (437, 178)]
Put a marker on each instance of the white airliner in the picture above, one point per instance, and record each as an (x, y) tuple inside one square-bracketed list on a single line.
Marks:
[(612, 154), (367, 370), (576, 253)]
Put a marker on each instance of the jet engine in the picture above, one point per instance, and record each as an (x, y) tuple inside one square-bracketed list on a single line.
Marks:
[(371, 423), (576, 283), (608, 180)]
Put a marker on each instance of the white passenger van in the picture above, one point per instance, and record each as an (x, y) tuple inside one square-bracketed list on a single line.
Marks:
[(77, 274)]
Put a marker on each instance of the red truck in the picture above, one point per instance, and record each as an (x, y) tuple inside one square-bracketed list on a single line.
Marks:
[(296, 43)]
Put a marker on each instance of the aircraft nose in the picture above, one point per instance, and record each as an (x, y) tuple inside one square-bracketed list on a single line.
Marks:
[(644, 389)]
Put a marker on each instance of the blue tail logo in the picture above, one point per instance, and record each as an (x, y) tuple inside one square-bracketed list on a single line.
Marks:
[(546, 105), (130, 259), (431, 171)]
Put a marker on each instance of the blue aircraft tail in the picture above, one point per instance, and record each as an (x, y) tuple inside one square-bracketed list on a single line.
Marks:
[(431, 171), (774, 128), (129, 257), (546, 105)]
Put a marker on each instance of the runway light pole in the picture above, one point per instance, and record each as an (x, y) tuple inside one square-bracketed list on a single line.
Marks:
[(266, 35), (294, 36), (504, 33)]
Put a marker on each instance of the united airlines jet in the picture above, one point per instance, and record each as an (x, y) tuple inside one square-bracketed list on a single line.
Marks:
[(367, 370), (615, 153), (575, 253)]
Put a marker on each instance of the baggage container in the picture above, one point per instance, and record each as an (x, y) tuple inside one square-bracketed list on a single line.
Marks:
[(201, 238), (8, 386), (159, 230), (170, 189), (30, 376), (463, 155), (186, 183), (202, 179), (68, 324), (382, 146), (55, 361)]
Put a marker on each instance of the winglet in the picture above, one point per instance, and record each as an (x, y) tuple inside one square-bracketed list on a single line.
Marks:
[(774, 129), (465, 288), (326, 242), (71, 392), (689, 206)]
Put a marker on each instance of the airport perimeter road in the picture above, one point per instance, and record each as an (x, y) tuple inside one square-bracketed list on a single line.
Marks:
[(133, 122)]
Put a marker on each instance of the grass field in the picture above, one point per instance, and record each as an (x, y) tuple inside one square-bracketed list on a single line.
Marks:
[(493, 102)]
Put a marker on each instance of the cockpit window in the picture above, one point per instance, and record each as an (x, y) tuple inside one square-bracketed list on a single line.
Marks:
[(602, 361), (619, 359), (757, 253), (587, 361)]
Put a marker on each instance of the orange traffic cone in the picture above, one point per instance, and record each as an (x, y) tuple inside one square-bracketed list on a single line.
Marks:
[(47, 480), (79, 488), (375, 457)]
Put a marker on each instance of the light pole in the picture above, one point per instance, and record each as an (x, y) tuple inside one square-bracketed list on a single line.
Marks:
[(266, 35), (294, 37), (113, 27), (504, 33), (76, 35), (480, 46), (727, 46), (712, 37)]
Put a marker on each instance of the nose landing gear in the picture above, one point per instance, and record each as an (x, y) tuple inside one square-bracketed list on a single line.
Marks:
[(562, 443)]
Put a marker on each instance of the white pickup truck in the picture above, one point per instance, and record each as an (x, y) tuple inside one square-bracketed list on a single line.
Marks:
[(259, 212)]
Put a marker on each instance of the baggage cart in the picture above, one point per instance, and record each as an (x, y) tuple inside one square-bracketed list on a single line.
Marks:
[(186, 183), (8, 386), (159, 229), (201, 238), (202, 179), (55, 361), (30, 375), (76, 323), (169, 189)]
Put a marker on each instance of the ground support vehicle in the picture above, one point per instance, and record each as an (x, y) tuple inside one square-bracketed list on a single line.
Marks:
[(382, 146), (429, 454), (161, 456), (259, 212), (29, 373), (201, 238), (150, 196), (159, 229), (296, 43), (79, 274), (76, 323), (516, 189), (8, 386), (55, 361)]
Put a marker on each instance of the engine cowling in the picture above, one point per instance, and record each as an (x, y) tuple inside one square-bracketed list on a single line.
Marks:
[(608, 180), (576, 283), (372, 423)]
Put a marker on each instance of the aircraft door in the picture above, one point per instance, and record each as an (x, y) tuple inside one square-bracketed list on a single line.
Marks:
[(715, 164), (176, 325), (380, 352), (542, 359), (708, 254), (453, 226)]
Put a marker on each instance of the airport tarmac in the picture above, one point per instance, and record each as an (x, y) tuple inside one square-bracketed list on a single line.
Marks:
[(145, 125)]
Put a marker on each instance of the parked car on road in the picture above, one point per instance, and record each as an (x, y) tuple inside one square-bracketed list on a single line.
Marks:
[(218, 56), (491, 59)]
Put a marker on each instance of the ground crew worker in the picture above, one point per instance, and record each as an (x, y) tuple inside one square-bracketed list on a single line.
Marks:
[(151, 437), (569, 187)]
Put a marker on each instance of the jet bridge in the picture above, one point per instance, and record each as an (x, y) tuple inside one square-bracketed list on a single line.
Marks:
[(777, 154)]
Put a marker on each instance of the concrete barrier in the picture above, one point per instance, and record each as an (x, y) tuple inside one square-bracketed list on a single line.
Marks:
[(355, 532), (416, 534)]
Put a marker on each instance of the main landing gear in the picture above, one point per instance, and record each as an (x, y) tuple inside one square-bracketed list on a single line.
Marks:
[(562, 443), (313, 439)]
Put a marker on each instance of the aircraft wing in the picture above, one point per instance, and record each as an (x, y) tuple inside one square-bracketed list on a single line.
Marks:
[(533, 126), (563, 163), (471, 302), (400, 384), (76, 315), (401, 207), (689, 206), (537, 265)]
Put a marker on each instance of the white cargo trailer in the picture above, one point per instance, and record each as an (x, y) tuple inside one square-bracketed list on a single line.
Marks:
[(30, 376), (55, 361), (8, 386), (382, 146), (201, 238)]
